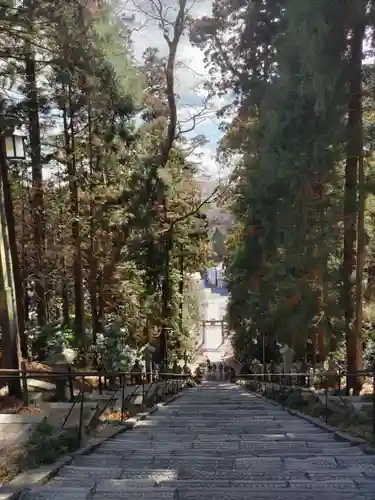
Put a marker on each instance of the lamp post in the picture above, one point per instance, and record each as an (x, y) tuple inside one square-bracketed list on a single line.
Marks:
[(12, 147), (15, 146)]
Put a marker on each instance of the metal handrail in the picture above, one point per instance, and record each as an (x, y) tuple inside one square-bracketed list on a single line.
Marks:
[(97, 373), (282, 378), (136, 378)]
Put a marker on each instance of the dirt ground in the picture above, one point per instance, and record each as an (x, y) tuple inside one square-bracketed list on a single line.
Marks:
[(12, 406)]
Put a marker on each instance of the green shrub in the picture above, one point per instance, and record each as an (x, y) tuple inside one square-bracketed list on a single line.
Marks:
[(45, 445), (316, 409), (294, 400), (337, 419)]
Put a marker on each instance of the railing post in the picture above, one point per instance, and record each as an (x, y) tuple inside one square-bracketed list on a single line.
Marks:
[(70, 381), (122, 398), (80, 428), (326, 394), (25, 389), (100, 383), (373, 406), (143, 393)]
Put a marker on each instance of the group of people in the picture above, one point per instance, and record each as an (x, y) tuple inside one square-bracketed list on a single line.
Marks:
[(220, 371)]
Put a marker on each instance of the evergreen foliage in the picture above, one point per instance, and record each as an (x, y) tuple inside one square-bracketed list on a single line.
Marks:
[(301, 242), (89, 249)]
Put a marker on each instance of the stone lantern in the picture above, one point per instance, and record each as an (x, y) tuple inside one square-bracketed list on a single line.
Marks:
[(287, 354)]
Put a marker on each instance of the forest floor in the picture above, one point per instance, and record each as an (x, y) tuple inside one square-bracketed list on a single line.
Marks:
[(12, 406)]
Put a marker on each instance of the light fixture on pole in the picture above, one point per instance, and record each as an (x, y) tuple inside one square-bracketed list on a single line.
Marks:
[(12, 148), (15, 146)]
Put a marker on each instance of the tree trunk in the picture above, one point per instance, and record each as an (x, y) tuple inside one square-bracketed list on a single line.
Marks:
[(354, 153), (18, 288), (65, 294), (24, 262), (37, 180), (101, 302), (65, 316), (321, 275), (360, 263), (181, 290), (93, 263), (76, 234), (8, 314), (166, 300)]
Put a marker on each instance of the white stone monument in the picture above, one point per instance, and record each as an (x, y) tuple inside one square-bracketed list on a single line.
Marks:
[(287, 354)]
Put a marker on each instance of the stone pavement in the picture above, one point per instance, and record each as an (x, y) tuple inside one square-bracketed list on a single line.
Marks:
[(217, 442)]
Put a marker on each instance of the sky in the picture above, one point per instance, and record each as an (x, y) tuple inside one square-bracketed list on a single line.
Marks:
[(191, 73)]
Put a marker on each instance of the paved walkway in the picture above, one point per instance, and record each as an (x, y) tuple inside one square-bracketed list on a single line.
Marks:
[(217, 442)]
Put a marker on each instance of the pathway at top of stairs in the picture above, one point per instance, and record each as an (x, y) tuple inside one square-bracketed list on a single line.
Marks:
[(217, 442)]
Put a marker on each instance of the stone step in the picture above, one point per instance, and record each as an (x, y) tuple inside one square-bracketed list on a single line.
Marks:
[(124, 484), (235, 418), (183, 464), (285, 436), (137, 494), (217, 442), (299, 445), (153, 476), (87, 476), (43, 493), (259, 491), (273, 494), (98, 460), (300, 484), (143, 446), (174, 451), (157, 436), (346, 461), (230, 412)]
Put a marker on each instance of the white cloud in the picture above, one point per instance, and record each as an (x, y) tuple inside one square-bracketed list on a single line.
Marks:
[(205, 157)]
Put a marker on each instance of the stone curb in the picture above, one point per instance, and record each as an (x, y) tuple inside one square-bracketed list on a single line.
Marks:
[(43, 474), (339, 435)]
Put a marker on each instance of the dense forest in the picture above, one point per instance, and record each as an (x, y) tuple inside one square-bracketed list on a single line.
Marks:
[(105, 216), (301, 251)]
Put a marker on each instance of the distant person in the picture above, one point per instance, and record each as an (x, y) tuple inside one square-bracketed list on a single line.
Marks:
[(209, 368), (221, 369), (304, 373)]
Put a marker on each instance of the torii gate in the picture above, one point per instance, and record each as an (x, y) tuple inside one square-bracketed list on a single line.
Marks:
[(214, 323)]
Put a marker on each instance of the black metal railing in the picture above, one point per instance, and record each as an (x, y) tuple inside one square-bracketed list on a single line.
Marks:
[(114, 383), (325, 387)]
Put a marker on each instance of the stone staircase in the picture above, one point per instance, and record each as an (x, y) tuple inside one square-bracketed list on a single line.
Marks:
[(217, 442), (214, 307)]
